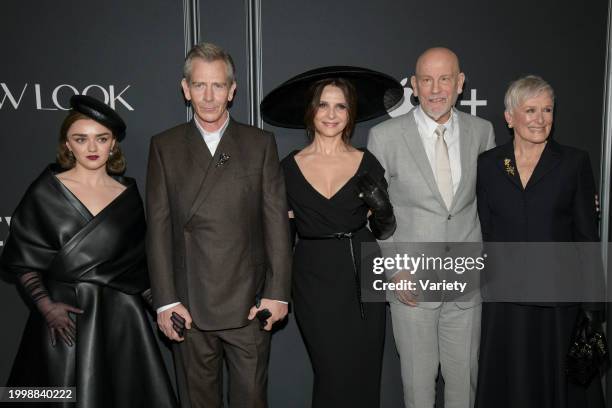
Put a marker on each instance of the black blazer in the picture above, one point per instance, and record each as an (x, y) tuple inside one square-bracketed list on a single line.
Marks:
[(557, 205)]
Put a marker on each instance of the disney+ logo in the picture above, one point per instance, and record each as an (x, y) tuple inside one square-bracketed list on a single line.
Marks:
[(407, 105), (51, 99)]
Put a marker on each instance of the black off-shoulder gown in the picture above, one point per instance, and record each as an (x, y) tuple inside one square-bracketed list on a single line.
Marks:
[(345, 349), (96, 263)]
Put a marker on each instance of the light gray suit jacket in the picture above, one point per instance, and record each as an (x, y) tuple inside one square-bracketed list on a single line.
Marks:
[(419, 208)]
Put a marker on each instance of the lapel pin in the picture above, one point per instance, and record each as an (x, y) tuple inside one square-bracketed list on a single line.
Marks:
[(223, 158), (509, 167)]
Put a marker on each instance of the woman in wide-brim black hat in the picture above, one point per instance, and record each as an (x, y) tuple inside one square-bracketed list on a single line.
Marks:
[(332, 187), (76, 246)]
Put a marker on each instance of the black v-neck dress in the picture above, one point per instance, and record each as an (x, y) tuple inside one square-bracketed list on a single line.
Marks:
[(345, 349), (97, 264)]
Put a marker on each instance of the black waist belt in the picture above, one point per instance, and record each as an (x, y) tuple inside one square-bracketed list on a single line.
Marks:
[(349, 236)]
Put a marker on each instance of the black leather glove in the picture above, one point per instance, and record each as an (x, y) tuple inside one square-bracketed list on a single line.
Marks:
[(382, 220), (56, 314)]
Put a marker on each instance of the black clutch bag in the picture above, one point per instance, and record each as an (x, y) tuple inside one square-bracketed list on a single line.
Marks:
[(588, 354)]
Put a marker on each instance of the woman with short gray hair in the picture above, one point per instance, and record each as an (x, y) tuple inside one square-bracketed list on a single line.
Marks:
[(533, 189)]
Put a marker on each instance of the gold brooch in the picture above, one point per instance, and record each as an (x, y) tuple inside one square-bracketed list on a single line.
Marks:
[(509, 167)]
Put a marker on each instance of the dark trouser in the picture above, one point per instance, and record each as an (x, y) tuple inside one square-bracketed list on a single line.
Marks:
[(199, 363)]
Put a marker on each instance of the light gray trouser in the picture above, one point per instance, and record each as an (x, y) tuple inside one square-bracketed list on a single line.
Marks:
[(447, 336)]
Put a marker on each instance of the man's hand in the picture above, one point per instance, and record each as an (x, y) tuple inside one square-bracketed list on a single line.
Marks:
[(164, 321), (405, 296), (279, 311)]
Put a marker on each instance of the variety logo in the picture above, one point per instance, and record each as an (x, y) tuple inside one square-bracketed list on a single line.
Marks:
[(407, 105), (6, 220), (56, 98)]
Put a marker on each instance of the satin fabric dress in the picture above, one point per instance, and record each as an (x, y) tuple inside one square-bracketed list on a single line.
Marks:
[(95, 263), (345, 349)]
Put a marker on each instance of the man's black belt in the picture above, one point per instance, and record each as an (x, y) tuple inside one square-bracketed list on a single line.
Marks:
[(349, 236)]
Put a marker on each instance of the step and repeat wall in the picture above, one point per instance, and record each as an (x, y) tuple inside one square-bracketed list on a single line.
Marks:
[(130, 54)]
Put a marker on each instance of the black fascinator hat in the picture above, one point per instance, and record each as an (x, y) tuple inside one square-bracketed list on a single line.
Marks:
[(377, 93), (100, 112)]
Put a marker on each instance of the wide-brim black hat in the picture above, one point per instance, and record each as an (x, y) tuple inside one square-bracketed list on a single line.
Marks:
[(377, 93), (100, 112)]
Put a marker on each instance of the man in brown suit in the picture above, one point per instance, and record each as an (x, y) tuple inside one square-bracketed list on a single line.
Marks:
[(218, 237)]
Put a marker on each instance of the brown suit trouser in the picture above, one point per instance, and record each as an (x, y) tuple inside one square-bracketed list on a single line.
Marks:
[(199, 365)]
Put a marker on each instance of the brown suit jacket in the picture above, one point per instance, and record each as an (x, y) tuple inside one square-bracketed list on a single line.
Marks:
[(217, 228)]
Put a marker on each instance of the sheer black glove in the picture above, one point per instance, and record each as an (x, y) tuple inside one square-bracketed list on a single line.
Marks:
[(382, 220), (292, 231), (147, 296), (55, 314)]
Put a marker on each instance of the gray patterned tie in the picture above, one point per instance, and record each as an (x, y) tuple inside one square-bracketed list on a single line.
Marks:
[(443, 170)]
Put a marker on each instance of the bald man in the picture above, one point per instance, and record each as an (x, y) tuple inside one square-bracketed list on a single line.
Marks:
[(430, 159)]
